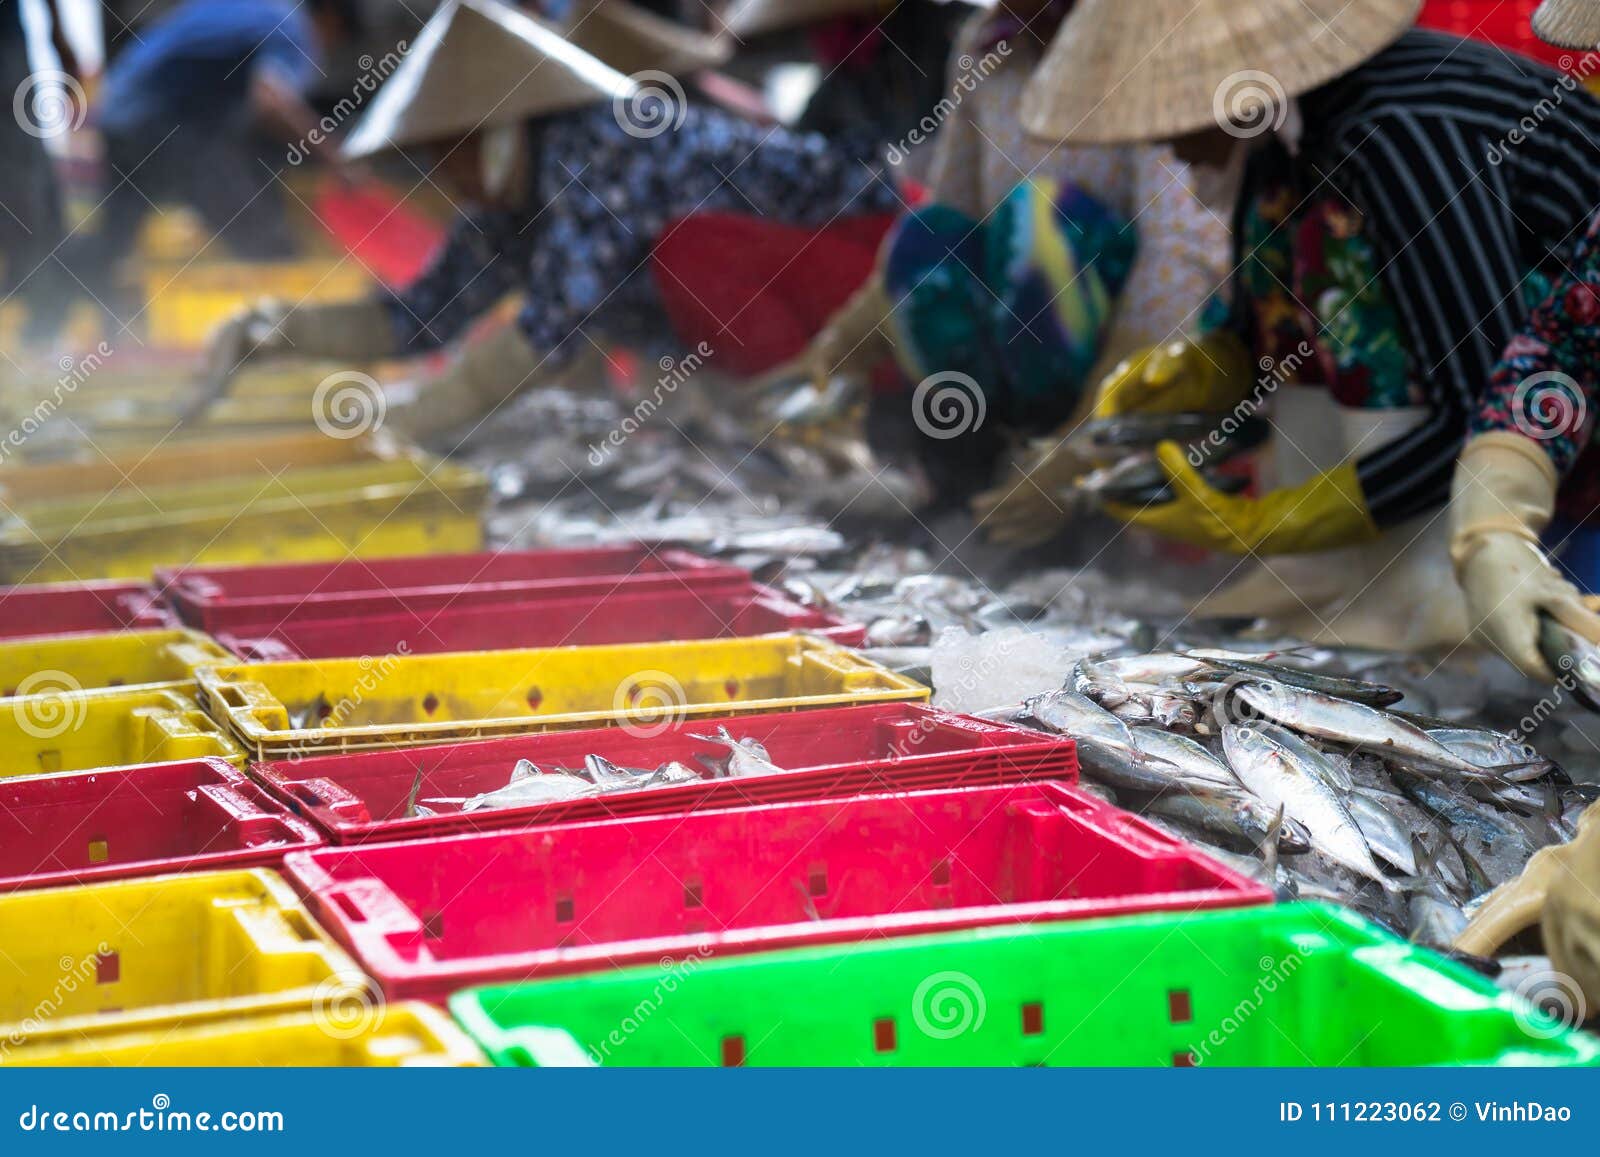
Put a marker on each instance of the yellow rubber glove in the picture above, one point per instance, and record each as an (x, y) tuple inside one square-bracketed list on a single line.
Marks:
[(1207, 374), (1327, 512)]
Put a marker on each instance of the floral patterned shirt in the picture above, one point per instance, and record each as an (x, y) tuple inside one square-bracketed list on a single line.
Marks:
[(605, 189), (1546, 384)]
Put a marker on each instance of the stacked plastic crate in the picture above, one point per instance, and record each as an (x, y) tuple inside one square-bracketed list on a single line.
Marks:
[(262, 843)]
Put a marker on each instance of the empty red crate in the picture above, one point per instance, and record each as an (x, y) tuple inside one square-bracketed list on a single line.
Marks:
[(583, 621), (430, 917), (140, 821), (1507, 23), (80, 608), (227, 598), (826, 753)]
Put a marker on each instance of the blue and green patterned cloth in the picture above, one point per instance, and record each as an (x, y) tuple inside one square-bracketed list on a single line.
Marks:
[(1020, 302)]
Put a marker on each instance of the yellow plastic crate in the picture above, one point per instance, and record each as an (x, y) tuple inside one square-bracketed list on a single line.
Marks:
[(386, 508), (147, 465), (185, 303), (42, 735), (115, 661), (402, 1035), (285, 710), (162, 952)]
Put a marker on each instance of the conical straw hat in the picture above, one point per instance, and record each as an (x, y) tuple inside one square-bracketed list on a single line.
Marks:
[(1147, 70), (632, 39), (1569, 23), (746, 18), (478, 64)]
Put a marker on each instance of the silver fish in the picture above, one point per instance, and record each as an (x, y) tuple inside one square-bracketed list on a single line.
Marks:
[(1191, 758), (1435, 919), (1388, 838), (1354, 724), (746, 757), (1460, 811), (1279, 778), (1355, 690), (1141, 480), (1571, 656), (1106, 749), (1157, 667), (1237, 816), (1493, 751), (528, 786), (1332, 770)]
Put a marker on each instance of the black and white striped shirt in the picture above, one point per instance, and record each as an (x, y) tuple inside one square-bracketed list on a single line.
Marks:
[(1472, 168)]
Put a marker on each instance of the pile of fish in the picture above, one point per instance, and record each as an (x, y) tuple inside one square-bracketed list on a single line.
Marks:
[(533, 785), (1404, 785), (1312, 782)]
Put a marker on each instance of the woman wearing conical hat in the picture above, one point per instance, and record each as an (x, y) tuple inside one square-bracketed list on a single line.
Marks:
[(1393, 215), (567, 173), (1030, 264)]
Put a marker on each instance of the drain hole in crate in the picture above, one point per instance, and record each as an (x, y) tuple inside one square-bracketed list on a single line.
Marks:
[(99, 851), (324, 709), (431, 703), (817, 882), (433, 925), (563, 909), (349, 907), (941, 874), (117, 683), (732, 1052), (732, 688), (1183, 1060), (1032, 1018), (108, 968), (1179, 1010), (693, 896), (535, 697), (883, 1034)]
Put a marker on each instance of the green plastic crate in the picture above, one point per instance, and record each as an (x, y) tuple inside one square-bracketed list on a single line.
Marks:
[(1295, 984)]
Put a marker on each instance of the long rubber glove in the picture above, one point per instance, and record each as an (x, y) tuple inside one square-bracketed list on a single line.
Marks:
[(1326, 512), (1571, 922), (1502, 498), (1201, 375), (350, 331), (485, 374), (1558, 890)]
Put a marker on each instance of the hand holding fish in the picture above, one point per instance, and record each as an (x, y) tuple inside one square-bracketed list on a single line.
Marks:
[(1503, 497)]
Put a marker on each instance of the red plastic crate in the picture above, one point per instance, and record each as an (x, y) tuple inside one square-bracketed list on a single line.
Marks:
[(430, 917), (1507, 23), (228, 598), (86, 827), (80, 608), (583, 621), (828, 753)]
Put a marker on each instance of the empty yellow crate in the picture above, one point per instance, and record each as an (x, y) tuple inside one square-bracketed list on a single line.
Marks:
[(162, 952), (185, 303), (397, 507), (150, 464), (397, 1036), (281, 710), (117, 660), (44, 734)]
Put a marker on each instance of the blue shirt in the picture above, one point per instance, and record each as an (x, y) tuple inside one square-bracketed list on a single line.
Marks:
[(195, 64)]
